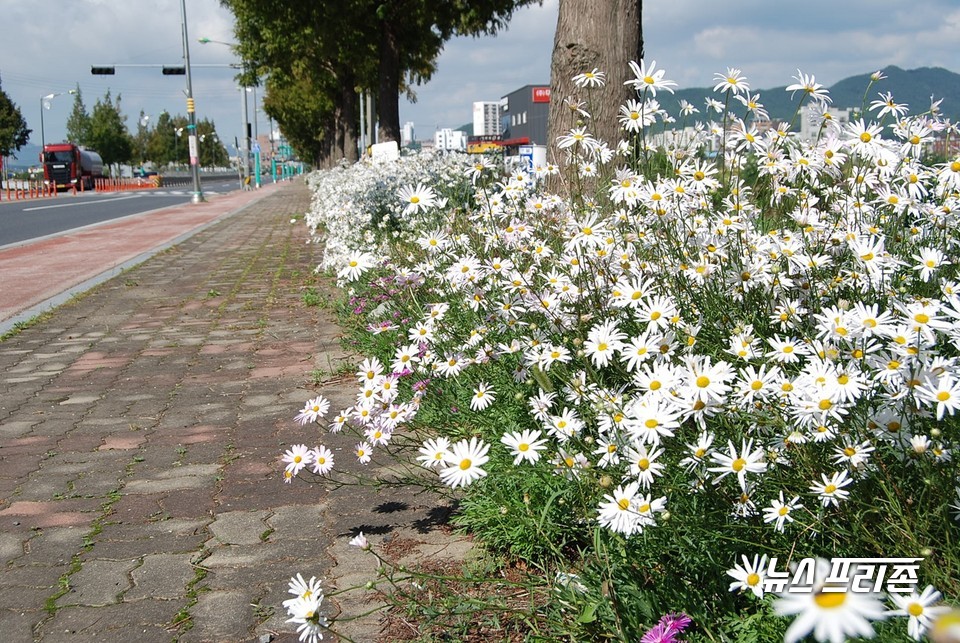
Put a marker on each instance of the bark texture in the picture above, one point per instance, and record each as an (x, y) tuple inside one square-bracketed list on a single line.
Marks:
[(388, 107), (601, 34)]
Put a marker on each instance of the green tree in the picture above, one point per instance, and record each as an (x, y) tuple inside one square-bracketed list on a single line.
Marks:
[(78, 124), (212, 151), (165, 146), (333, 50), (108, 131), (14, 133)]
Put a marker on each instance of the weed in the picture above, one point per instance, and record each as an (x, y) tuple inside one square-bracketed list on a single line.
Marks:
[(312, 298)]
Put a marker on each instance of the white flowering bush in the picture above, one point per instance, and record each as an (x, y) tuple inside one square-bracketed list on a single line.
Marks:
[(717, 347), (355, 209)]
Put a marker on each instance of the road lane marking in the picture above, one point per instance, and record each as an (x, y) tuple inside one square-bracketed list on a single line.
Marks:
[(70, 205)]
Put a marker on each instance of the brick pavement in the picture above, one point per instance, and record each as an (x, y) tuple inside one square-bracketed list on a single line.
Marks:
[(141, 428)]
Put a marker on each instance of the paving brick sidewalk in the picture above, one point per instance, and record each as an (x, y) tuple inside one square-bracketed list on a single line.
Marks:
[(140, 434)]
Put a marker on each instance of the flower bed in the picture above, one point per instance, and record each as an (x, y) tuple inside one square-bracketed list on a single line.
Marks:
[(687, 374)]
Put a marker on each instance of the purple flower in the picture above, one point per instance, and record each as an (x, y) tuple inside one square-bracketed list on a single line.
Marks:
[(668, 629)]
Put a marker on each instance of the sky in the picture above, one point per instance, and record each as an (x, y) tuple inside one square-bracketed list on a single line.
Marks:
[(50, 45)]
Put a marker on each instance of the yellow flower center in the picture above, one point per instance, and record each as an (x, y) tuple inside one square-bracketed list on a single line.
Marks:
[(643, 464), (830, 488), (920, 318), (915, 609), (703, 381), (738, 464), (465, 464), (943, 396), (825, 405), (830, 600), (865, 137), (414, 199), (783, 511), (753, 579), (649, 80), (651, 423), (623, 503)]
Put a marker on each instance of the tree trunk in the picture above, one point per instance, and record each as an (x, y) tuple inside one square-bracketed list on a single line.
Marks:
[(593, 35), (388, 105), (348, 115)]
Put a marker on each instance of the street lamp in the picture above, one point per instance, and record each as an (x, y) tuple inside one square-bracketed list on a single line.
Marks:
[(244, 165), (176, 146), (45, 102), (144, 121), (213, 138)]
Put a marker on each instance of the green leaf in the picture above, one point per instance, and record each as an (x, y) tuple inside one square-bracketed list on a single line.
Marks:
[(589, 613)]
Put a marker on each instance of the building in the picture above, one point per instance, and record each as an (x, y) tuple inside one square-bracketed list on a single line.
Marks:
[(813, 115), (486, 118), (450, 140), (523, 115), (406, 134)]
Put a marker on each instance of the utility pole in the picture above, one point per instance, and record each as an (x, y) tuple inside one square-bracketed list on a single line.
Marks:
[(191, 114)]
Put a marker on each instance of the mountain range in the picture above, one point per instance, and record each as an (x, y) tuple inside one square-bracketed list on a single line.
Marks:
[(914, 87)]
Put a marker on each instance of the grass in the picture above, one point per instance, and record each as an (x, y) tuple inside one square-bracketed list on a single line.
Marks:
[(312, 298)]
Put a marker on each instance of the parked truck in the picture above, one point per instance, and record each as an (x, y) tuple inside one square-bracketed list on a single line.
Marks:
[(67, 166)]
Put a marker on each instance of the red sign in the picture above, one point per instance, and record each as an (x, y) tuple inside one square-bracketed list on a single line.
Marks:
[(541, 94)]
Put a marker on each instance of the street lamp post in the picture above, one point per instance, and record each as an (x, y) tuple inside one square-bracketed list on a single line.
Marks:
[(144, 122), (45, 102), (191, 113), (176, 146), (244, 150)]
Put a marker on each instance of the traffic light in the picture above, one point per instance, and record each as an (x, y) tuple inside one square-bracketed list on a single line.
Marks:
[(103, 71), (174, 71)]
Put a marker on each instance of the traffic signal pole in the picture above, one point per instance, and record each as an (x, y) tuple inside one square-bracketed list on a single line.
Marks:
[(191, 114)]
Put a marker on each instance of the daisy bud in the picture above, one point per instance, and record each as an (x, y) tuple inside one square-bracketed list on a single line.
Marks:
[(926, 552), (606, 482)]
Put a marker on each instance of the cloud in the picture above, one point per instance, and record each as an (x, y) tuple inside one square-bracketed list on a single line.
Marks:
[(50, 45)]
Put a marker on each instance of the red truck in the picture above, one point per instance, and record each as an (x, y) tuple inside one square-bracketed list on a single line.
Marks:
[(67, 166)]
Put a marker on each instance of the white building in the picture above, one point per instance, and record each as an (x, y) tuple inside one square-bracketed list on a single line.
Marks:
[(450, 139), (406, 134), (813, 115), (486, 118)]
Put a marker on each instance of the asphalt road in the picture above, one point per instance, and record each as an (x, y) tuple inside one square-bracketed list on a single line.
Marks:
[(31, 219)]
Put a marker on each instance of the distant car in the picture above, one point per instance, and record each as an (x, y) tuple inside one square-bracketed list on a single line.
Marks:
[(150, 177)]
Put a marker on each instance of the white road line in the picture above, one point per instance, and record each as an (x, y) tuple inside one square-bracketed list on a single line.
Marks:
[(70, 205)]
